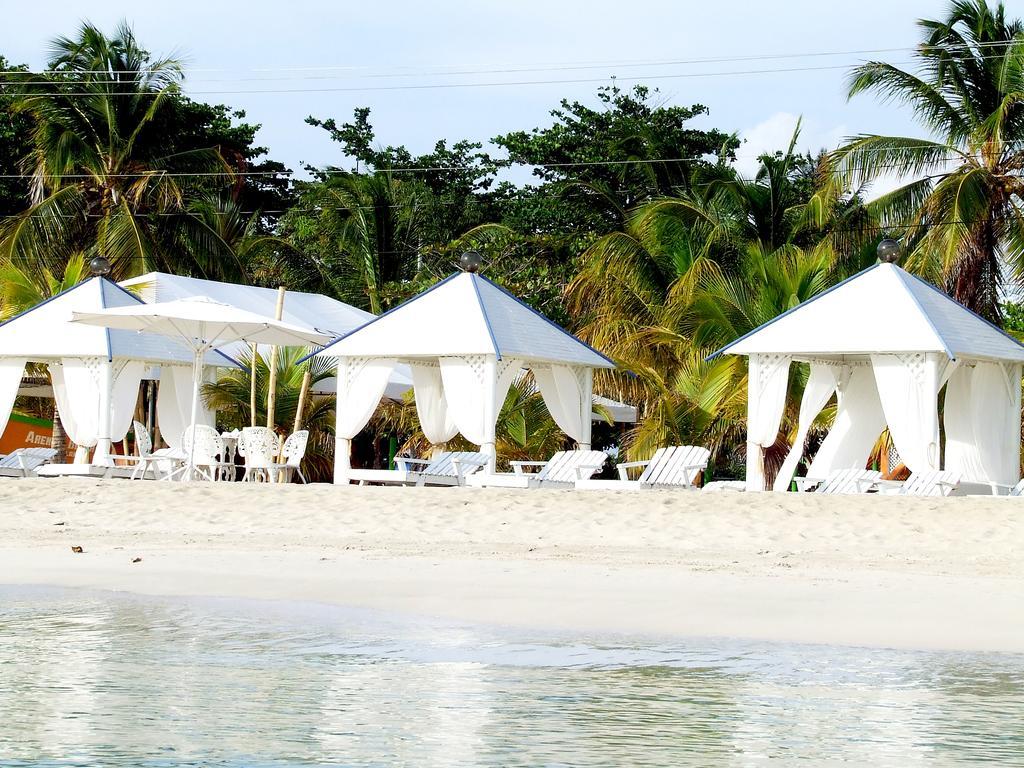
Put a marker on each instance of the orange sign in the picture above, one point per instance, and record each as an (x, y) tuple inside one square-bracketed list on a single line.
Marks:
[(25, 432)]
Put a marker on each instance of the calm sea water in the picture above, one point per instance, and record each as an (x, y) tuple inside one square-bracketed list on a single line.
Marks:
[(90, 678)]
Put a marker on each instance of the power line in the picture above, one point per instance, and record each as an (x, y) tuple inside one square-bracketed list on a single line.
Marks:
[(448, 86), (468, 69)]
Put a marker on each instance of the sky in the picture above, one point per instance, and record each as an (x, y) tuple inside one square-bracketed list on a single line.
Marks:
[(327, 58)]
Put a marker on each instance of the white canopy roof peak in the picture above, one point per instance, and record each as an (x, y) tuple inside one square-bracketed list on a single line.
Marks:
[(466, 314), (881, 310), (45, 332)]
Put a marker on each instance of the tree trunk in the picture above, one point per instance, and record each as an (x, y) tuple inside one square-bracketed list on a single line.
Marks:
[(59, 439)]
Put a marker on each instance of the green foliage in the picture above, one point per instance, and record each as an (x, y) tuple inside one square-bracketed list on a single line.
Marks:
[(961, 215), (652, 149), (15, 130)]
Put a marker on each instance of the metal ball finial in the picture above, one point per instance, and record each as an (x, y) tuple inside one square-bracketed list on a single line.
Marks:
[(470, 261), (99, 266), (888, 251)]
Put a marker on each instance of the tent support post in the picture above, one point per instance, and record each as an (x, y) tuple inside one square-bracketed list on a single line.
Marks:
[(587, 408), (342, 460), (101, 456)]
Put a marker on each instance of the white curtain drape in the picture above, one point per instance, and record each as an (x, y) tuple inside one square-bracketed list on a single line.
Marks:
[(174, 404), (475, 387), (821, 384), (431, 403), (76, 390), (124, 397), (908, 387), (567, 395), (858, 423), (982, 423), (768, 377), (361, 385), (11, 371)]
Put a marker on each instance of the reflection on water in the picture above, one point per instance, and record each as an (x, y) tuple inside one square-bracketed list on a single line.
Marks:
[(102, 679)]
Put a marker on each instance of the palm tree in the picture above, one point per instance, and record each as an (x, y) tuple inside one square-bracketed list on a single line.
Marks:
[(229, 395), (100, 183), (362, 236), (962, 210), (688, 274)]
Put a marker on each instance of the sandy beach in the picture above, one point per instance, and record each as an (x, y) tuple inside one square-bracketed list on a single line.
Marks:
[(886, 572)]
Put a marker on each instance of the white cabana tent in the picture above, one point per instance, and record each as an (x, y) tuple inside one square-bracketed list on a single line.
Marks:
[(465, 340), (310, 310), (887, 342), (96, 372)]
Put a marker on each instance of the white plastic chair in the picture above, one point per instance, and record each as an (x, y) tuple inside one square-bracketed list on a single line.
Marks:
[(562, 470), (206, 455), (258, 446), (292, 453), (674, 467)]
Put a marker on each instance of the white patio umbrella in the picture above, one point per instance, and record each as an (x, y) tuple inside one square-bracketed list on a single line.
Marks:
[(201, 324)]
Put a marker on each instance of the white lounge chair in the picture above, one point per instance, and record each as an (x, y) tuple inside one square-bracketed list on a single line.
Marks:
[(448, 468), (562, 470), (23, 462), (931, 483), (674, 467), (842, 481), (1017, 490)]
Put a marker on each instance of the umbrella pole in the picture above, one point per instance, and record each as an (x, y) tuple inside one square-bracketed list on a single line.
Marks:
[(197, 374)]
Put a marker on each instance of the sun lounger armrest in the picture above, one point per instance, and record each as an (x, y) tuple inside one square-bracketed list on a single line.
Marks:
[(402, 462), (803, 483), (623, 474), (584, 471), (517, 466), (464, 467)]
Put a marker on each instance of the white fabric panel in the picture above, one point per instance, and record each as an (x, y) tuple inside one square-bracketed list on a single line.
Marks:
[(858, 423), (124, 397), (78, 402), (767, 380), (821, 383), (174, 404), (361, 384), (470, 386), (908, 387), (11, 371), (562, 386), (431, 404), (982, 423)]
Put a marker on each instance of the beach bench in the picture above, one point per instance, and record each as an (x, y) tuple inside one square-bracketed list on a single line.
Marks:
[(561, 471), (24, 462), (842, 481), (447, 468), (932, 483), (677, 466)]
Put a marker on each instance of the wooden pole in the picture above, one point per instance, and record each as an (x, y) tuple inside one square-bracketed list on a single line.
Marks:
[(303, 391), (252, 385), (272, 384)]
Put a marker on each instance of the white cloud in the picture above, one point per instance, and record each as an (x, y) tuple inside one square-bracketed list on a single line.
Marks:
[(774, 134)]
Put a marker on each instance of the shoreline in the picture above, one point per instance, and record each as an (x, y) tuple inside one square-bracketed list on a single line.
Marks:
[(926, 574)]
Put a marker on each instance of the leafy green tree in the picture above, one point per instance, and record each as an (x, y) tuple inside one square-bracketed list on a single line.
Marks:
[(961, 213), (453, 180), (353, 235), (615, 157), (97, 186), (15, 130)]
